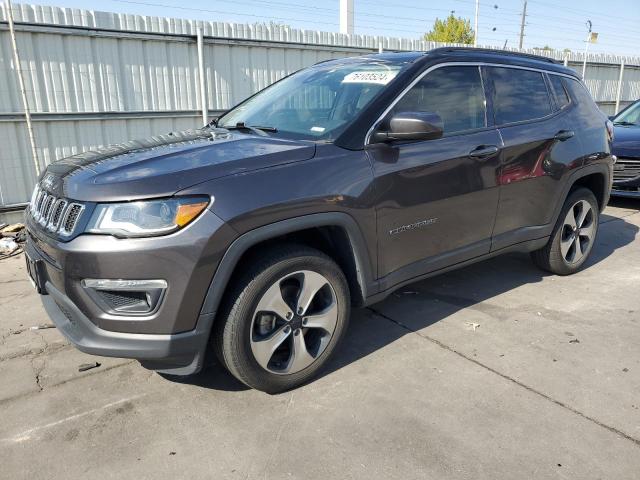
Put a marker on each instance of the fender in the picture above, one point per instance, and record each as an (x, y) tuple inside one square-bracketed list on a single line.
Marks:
[(602, 168), (247, 240)]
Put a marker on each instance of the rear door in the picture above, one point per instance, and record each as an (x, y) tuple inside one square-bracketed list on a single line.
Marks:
[(533, 115), (437, 199)]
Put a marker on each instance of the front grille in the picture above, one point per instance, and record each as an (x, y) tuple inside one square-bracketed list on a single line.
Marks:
[(71, 218), (626, 169), (57, 215)]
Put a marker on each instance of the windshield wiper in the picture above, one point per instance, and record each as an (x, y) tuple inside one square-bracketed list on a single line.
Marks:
[(258, 130), (625, 123)]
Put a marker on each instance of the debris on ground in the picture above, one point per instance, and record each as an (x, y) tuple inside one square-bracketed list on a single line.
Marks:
[(8, 246), (43, 326), (11, 238), (474, 326), (14, 228), (574, 340), (88, 366)]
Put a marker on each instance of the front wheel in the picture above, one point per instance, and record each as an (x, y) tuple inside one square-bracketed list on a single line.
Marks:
[(573, 236), (283, 319)]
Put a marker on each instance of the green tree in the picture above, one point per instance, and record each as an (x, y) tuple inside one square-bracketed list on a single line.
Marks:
[(451, 30)]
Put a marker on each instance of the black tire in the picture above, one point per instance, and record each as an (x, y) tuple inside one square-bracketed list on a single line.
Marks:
[(234, 331), (551, 257)]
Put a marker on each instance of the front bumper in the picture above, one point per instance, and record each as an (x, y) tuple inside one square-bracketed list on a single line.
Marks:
[(173, 338), (625, 193), (179, 354), (628, 188)]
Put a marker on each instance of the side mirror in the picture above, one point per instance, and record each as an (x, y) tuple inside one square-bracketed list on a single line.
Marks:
[(411, 126), (611, 117)]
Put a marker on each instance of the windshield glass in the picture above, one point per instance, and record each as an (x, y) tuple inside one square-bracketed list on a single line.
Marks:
[(630, 116), (316, 103)]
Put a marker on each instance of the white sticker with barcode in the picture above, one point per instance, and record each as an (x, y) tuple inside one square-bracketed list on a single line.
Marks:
[(380, 77)]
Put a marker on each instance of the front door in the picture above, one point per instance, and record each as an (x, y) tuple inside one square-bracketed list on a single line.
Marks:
[(437, 199)]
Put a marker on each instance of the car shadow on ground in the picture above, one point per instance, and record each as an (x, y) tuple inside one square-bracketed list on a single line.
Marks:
[(437, 298)]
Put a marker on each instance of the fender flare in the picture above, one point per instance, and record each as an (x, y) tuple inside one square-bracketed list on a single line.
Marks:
[(240, 245), (602, 168)]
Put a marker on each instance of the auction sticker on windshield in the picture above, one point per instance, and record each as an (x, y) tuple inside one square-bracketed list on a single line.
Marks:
[(380, 78)]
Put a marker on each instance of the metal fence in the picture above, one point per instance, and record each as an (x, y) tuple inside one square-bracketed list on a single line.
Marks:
[(97, 78)]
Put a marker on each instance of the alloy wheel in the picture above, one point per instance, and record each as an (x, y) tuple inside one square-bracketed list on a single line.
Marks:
[(293, 322), (578, 232)]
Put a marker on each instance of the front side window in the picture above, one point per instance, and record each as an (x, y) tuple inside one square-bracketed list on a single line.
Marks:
[(317, 103), (454, 93), (519, 95)]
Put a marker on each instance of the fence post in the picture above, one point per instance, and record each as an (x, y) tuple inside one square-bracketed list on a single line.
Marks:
[(23, 90), (201, 73), (619, 92)]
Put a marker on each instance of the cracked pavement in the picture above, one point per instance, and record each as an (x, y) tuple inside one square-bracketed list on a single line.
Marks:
[(492, 371)]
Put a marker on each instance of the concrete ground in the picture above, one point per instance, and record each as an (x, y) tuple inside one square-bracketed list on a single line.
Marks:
[(490, 372)]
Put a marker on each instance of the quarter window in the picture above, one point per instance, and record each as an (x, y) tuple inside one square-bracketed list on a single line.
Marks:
[(519, 95), (454, 93), (559, 93)]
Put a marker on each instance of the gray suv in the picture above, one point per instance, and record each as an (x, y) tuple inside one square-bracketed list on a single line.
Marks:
[(254, 236)]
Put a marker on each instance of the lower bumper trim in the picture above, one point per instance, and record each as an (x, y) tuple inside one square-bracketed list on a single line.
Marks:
[(177, 354), (625, 193)]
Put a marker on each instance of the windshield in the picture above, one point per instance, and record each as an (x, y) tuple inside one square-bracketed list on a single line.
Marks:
[(316, 103), (631, 116)]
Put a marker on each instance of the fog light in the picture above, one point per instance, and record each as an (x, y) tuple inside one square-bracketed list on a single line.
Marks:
[(126, 297)]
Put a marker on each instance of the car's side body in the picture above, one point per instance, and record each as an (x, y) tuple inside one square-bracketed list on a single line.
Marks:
[(389, 214)]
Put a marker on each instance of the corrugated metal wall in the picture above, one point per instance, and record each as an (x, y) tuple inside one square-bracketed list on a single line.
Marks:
[(96, 78)]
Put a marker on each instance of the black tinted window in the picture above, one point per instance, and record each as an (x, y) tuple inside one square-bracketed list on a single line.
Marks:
[(454, 93), (519, 95), (560, 94)]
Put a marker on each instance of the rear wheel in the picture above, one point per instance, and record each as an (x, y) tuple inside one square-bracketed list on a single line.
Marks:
[(283, 319), (573, 236)]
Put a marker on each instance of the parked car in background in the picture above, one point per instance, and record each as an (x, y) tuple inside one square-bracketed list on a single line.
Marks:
[(331, 188), (626, 146)]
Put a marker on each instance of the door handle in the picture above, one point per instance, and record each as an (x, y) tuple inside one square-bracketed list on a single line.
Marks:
[(484, 151), (563, 135)]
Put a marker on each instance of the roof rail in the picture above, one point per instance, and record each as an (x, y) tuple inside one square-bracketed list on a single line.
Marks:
[(494, 51)]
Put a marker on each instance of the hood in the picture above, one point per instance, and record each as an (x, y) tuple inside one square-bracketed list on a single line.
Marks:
[(161, 166), (626, 141)]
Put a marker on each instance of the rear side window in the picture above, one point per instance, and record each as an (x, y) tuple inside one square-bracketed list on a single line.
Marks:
[(519, 95), (454, 93), (559, 93), (578, 91)]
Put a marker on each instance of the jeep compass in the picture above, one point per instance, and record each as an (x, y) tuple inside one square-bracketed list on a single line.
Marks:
[(254, 236)]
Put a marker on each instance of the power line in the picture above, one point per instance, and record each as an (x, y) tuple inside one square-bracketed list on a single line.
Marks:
[(384, 26)]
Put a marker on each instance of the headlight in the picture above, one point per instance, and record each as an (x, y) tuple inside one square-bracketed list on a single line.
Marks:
[(146, 218)]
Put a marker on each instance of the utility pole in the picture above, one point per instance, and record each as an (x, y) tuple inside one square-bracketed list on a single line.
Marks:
[(475, 24), (23, 90), (586, 49), (346, 17), (524, 16)]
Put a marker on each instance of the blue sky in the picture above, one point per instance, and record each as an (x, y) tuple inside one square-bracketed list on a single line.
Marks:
[(559, 24)]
